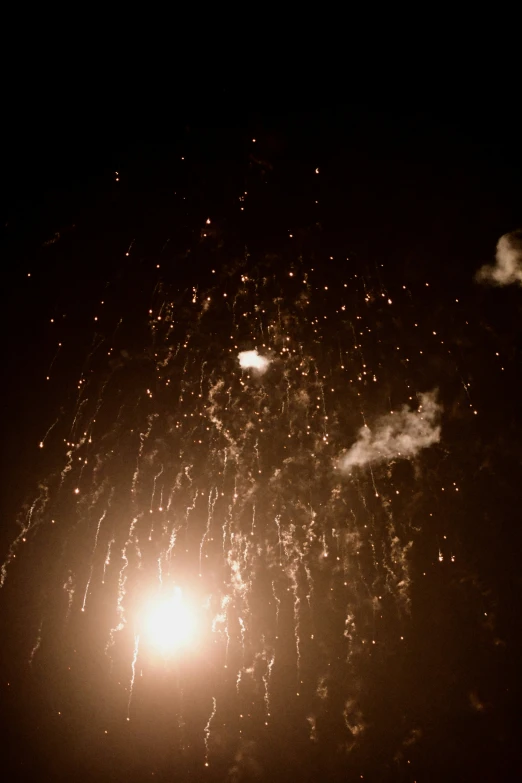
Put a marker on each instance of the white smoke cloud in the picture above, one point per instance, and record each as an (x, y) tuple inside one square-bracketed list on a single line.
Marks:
[(251, 359), (507, 268), (396, 435)]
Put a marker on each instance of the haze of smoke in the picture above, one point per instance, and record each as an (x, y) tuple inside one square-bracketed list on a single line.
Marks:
[(396, 435), (251, 359), (507, 268)]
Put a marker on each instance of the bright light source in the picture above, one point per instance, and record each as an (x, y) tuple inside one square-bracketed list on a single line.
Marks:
[(251, 359), (169, 623)]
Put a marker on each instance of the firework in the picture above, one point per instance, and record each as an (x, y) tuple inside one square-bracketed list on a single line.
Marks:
[(224, 546)]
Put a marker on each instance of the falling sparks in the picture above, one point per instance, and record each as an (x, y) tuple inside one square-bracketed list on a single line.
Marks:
[(236, 503)]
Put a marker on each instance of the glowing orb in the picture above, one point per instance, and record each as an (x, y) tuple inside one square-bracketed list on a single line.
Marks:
[(248, 359), (170, 625)]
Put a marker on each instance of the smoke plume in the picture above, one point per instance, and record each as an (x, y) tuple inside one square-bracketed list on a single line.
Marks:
[(507, 268), (396, 435)]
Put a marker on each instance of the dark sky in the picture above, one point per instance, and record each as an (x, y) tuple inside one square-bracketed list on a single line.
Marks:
[(407, 193)]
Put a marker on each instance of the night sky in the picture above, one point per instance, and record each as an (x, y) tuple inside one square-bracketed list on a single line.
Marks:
[(261, 449)]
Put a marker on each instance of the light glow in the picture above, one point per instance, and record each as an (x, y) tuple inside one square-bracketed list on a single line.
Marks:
[(169, 623), (251, 359)]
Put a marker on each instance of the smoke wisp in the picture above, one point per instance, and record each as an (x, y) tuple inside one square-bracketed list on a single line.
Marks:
[(396, 435), (507, 268)]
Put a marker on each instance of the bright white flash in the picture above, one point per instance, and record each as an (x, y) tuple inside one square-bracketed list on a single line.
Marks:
[(252, 359), (170, 625)]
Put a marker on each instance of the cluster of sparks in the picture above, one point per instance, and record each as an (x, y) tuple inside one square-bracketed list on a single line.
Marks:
[(230, 502)]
